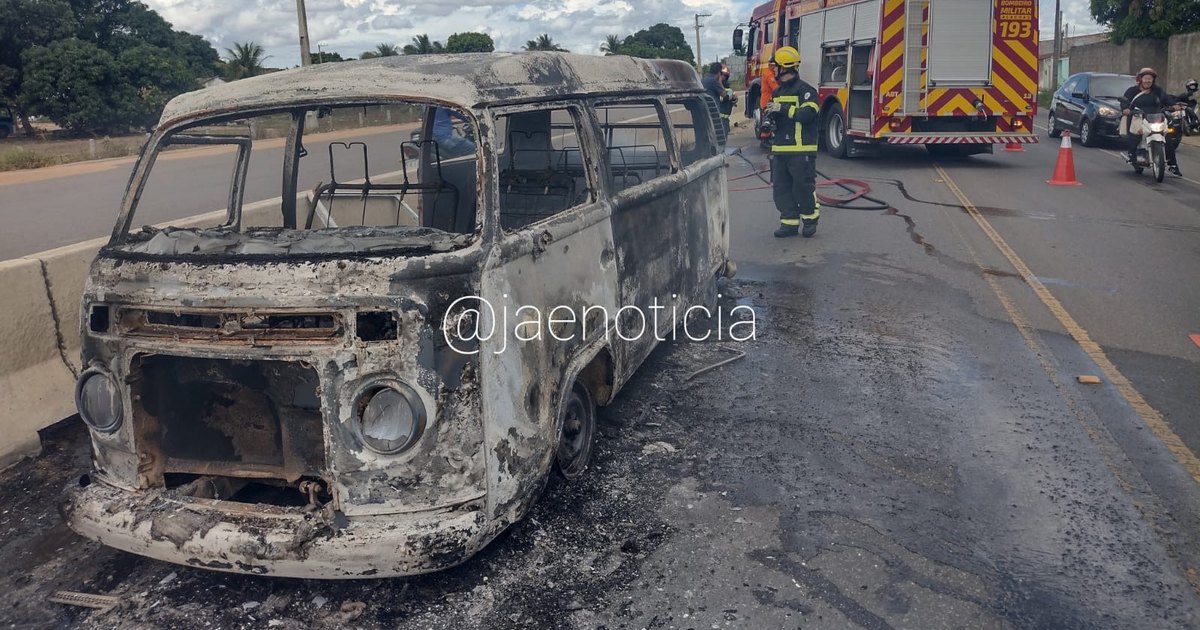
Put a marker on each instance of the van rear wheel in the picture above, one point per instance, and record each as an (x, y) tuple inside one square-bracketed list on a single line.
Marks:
[(578, 420)]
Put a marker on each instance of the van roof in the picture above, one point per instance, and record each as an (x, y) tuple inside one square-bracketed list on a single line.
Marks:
[(466, 80)]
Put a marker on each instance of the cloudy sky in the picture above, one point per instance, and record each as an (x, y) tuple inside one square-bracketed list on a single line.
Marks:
[(350, 27)]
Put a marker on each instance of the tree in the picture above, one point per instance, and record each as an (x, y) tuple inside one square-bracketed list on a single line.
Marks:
[(1155, 19), (25, 24), (422, 45), (201, 58), (469, 43), (136, 58), (661, 41), (153, 75), (326, 57), (611, 45), (77, 85), (244, 60), (544, 42), (386, 50)]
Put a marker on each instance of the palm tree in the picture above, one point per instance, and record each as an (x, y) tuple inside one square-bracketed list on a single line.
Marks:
[(544, 42), (422, 45), (386, 50), (611, 45), (244, 60)]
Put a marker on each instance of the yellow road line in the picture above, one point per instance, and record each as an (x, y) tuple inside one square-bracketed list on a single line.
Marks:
[(1149, 415)]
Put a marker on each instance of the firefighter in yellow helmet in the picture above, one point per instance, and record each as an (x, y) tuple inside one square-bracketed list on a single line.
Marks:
[(793, 109)]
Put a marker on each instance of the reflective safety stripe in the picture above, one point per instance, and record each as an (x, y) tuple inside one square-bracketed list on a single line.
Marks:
[(789, 221), (816, 213), (794, 148), (792, 103)]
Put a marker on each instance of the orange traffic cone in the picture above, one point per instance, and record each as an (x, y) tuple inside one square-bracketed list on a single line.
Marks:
[(1064, 169), (1014, 147)]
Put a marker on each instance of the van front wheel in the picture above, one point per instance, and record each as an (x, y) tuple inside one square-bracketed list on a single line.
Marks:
[(578, 433)]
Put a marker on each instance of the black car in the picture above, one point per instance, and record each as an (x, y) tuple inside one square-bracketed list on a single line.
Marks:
[(1089, 105)]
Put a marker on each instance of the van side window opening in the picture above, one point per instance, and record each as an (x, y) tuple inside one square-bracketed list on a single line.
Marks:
[(691, 125), (769, 32), (635, 143), (541, 170), (362, 172)]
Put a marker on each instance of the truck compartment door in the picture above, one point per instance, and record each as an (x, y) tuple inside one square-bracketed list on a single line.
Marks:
[(960, 42)]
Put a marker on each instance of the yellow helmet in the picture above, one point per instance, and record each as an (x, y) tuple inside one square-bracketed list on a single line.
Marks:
[(786, 57)]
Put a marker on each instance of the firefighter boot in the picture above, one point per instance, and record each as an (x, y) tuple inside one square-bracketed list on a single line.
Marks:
[(786, 230), (810, 227)]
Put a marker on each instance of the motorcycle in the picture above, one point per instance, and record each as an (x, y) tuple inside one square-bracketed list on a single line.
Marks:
[(1191, 115), (1151, 151)]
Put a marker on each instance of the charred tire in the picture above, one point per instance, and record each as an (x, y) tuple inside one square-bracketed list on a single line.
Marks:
[(578, 421), (1052, 129), (1158, 161), (1086, 136), (835, 131)]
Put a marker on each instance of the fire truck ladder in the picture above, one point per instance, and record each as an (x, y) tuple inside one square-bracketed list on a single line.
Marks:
[(916, 56)]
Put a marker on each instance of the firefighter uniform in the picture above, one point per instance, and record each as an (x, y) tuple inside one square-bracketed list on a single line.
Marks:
[(794, 155)]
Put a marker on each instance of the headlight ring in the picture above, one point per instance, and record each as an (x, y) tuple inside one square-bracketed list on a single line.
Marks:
[(98, 399), (389, 417)]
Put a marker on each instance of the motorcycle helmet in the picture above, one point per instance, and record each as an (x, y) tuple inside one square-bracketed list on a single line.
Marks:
[(1191, 85), (1145, 71)]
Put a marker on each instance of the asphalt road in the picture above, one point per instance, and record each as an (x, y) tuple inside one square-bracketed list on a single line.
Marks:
[(904, 445)]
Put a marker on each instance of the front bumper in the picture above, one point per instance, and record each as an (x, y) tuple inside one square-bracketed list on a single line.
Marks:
[(263, 540), (1107, 127)]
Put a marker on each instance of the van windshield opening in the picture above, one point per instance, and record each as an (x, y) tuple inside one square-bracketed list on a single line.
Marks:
[(360, 179)]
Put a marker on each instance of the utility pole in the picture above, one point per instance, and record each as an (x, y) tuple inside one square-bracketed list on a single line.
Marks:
[(699, 57), (302, 18), (1057, 44)]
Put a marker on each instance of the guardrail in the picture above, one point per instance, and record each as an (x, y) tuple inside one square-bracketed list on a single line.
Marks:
[(40, 334)]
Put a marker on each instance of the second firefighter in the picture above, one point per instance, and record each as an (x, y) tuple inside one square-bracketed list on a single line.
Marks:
[(793, 109)]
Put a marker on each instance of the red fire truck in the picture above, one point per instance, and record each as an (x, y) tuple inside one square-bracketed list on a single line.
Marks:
[(957, 76)]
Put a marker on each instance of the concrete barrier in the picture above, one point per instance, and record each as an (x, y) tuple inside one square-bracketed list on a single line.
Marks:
[(40, 331), (36, 384)]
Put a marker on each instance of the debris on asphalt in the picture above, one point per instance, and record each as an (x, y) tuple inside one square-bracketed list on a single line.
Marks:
[(167, 580), (102, 603), (1088, 379), (352, 610), (658, 447), (740, 355)]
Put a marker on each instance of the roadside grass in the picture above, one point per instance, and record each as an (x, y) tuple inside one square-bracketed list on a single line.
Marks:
[(1044, 99), (22, 153)]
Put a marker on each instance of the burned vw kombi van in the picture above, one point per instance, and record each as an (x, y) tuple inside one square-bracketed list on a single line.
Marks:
[(369, 358)]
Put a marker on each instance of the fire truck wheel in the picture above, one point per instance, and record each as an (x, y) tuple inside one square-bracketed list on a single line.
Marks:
[(835, 131)]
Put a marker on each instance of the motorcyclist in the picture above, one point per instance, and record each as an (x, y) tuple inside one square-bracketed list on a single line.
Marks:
[(1188, 100), (1150, 99)]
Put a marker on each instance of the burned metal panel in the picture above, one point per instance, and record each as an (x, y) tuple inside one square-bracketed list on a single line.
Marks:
[(650, 229), (464, 80), (567, 261), (274, 541), (445, 468)]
